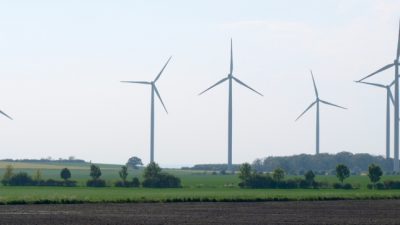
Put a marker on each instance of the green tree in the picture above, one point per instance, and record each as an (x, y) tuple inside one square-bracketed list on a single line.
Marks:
[(342, 172), (151, 170), (95, 172), (65, 174), (38, 176), (245, 171), (123, 173), (8, 173), (374, 173), (134, 162), (278, 174), (309, 176)]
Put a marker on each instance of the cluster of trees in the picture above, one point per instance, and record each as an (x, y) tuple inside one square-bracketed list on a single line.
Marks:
[(23, 179), (153, 176), (322, 163), (250, 178)]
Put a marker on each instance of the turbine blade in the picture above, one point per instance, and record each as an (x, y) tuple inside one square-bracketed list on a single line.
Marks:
[(331, 104), (162, 70), (9, 117), (373, 84), (159, 97), (391, 96), (231, 68), (219, 82), (315, 86), (309, 107), (240, 82), (378, 71), (136, 82)]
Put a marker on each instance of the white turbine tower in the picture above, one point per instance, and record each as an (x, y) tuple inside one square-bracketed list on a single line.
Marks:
[(154, 90), (389, 101), (317, 102), (395, 63), (230, 78)]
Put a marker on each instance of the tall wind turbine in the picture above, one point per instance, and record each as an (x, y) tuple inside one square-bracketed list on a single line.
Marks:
[(317, 102), (154, 90), (389, 100), (230, 78), (395, 63)]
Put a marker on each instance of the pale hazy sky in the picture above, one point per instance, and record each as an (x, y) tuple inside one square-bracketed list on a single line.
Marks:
[(61, 63)]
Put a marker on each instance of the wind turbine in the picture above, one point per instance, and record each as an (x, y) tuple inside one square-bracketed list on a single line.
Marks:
[(230, 78), (389, 99), (396, 101), (317, 102), (154, 90)]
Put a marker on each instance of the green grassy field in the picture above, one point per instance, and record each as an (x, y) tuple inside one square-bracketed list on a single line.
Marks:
[(197, 186)]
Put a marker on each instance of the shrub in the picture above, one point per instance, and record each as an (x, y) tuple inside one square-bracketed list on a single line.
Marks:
[(347, 186), (70, 183), (337, 185), (135, 182), (162, 180), (96, 183), (390, 184), (20, 179), (379, 186), (153, 177), (120, 184), (292, 183)]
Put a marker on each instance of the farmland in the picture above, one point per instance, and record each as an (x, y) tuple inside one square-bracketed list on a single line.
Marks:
[(197, 186)]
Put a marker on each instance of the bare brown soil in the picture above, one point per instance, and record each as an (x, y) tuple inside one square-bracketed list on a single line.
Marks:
[(319, 212)]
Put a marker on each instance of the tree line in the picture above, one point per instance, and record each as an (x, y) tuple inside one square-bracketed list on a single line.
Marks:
[(153, 177), (250, 178)]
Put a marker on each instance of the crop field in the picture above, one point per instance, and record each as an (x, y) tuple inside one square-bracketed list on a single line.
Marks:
[(198, 186)]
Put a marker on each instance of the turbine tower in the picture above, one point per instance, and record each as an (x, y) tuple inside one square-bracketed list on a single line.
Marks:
[(154, 90), (396, 101), (389, 100), (317, 102), (230, 78)]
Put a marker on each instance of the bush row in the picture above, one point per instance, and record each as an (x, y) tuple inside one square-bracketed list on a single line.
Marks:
[(23, 179)]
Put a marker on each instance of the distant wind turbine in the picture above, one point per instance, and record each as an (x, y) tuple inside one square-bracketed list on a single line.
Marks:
[(154, 90), (395, 63), (317, 102), (389, 100), (230, 78)]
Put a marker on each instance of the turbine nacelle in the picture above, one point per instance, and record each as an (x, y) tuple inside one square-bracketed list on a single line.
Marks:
[(153, 84), (317, 99)]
